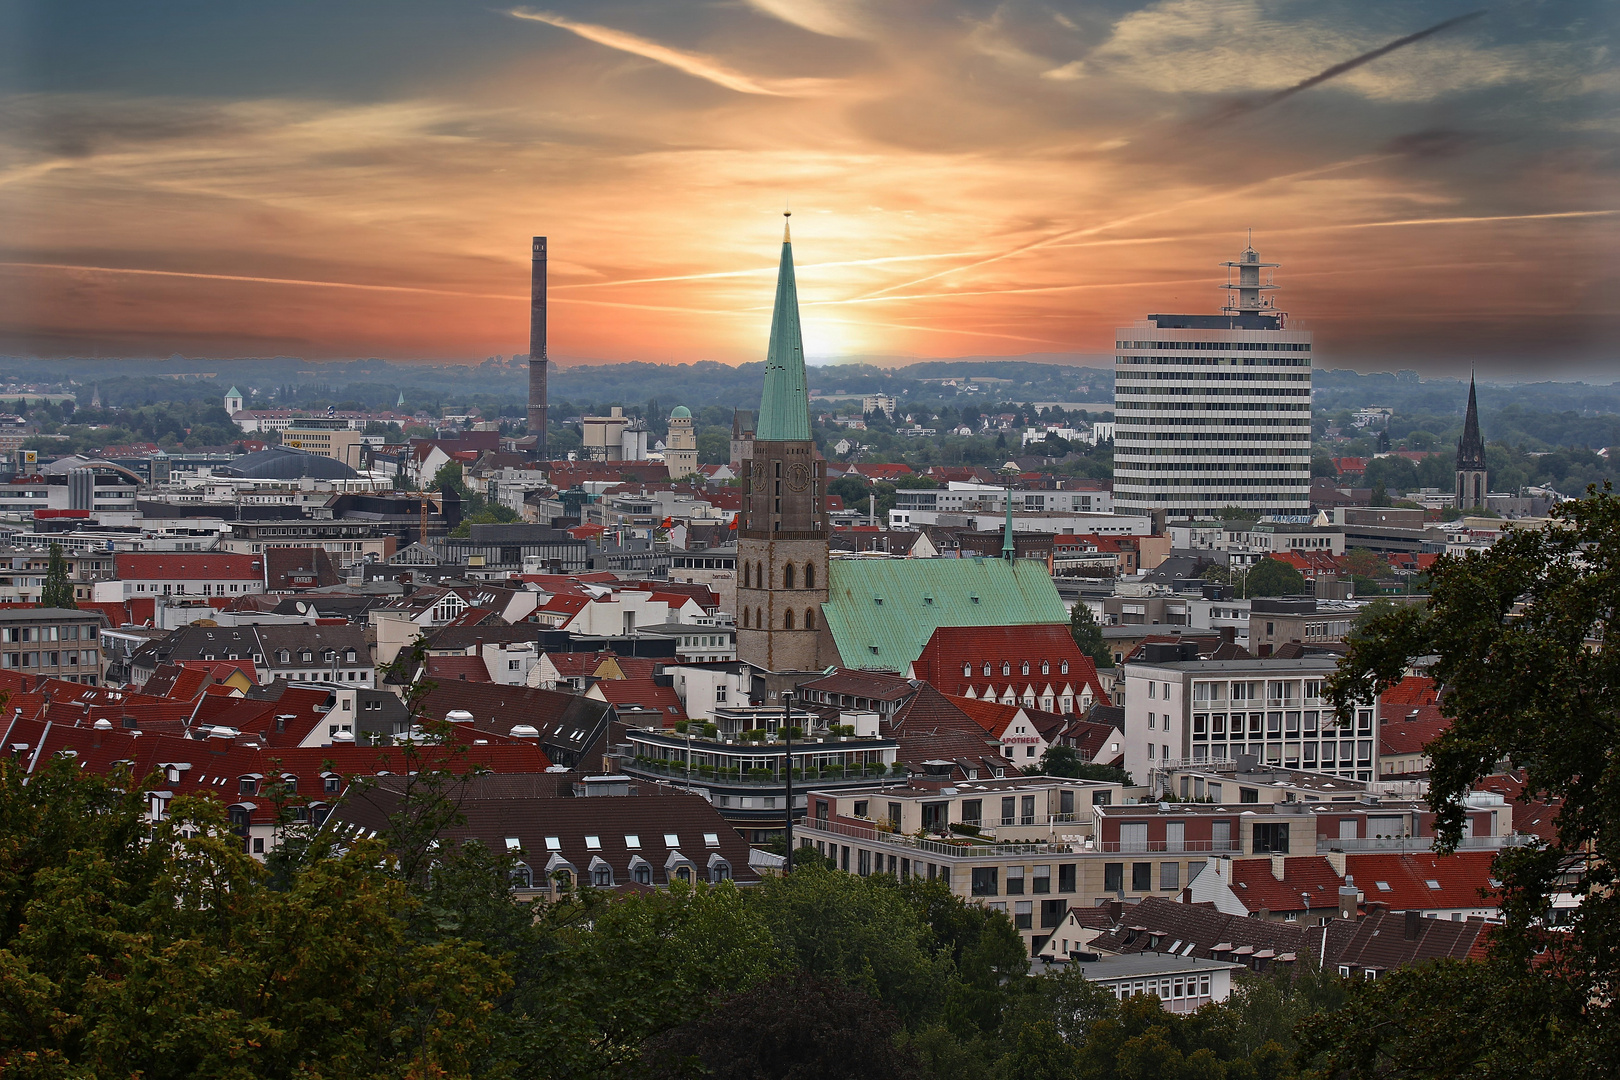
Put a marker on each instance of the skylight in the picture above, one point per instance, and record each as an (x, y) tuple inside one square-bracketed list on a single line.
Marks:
[(711, 839), (671, 840), (1383, 886), (593, 843), (513, 843), (1433, 884), (632, 841), (553, 843)]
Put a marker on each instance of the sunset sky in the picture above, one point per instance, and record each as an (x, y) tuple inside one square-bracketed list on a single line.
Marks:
[(351, 178)]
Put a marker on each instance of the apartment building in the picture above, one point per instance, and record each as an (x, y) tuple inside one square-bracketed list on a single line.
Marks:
[(1180, 712), (52, 643)]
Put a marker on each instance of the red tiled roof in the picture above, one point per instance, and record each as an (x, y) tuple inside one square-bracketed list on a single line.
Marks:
[(1403, 733), (1460, 877), (643, 692), (951, 649), (1311, 875), (468, 668), (1410, 691), (1533, 817), (188, 566)]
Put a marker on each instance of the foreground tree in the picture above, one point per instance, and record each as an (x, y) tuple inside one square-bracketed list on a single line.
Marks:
[(160, 951), (58, 590), (792, 1027), (1272, 577), (1088, 636), (1525, 655)]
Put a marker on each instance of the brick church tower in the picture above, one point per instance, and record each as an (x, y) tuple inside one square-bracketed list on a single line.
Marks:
[(782, 541)]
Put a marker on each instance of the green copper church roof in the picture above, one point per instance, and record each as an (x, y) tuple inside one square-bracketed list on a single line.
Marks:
[(233, 392), (680, 412), (881, 612), (784, 407)]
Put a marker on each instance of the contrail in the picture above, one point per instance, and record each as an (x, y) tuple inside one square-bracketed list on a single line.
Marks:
[(1239, 108), (258, 280), (763, 270), (1091, 230)]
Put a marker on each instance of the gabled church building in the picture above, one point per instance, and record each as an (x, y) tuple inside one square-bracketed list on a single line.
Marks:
[(797, 609)]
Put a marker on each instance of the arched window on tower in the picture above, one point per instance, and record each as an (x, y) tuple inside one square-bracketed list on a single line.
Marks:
[(787, 576), (748, 576), (810, 575), (809, 618), (787, 619), (759, 575)]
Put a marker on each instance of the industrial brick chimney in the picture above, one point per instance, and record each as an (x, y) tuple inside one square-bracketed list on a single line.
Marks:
[(537, 349)]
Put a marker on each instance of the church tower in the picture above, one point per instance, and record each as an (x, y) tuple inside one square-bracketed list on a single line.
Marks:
[(782, 542), (1471, 479)]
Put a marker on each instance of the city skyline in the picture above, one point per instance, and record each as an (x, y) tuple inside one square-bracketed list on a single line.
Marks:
[(965, 181)]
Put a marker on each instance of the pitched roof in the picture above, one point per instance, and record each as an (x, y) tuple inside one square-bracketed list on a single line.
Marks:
[(931, 728), (1458, 879), (881, 612), (1411, 690), (466, 668), (952, 648), (1410, 733), (1256, 885), (640, 693), (187, 566), (293, 568)]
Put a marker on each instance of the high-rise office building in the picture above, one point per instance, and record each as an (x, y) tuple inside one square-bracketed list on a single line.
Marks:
[(1213, 411)]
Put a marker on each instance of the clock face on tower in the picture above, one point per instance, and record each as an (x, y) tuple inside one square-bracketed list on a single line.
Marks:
[(798, 476)]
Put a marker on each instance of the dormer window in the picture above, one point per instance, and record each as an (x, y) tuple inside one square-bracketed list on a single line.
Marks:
[(1006, 667), (521, 876), (1025, 668), (987, 669), (1046, 667), (1063, 668), (247, 785), (967, 671), (306, 657), (284, 657)]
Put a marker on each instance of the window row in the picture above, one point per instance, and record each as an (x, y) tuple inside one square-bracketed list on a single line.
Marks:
[(754, 576), (1006, 668), (755, 620)]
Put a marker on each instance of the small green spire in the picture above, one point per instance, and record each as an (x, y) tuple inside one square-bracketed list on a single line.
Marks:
[(784, 407), (1006, 534)]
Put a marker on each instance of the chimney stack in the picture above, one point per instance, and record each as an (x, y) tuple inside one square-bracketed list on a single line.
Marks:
[(537, 349)]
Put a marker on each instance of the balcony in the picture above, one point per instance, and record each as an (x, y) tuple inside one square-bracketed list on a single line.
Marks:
[(660, 769), (960, 848), (1417, 843), (1193, 847)]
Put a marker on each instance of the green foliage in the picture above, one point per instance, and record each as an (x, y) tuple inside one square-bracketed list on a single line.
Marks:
[(1273, 577), (1088, 636), (58, 590), (861, 931), (1530, 676), (164, 952), (1061, 760)]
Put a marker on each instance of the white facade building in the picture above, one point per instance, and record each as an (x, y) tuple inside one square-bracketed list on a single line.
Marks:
[(1196, 711), (1214, 410)]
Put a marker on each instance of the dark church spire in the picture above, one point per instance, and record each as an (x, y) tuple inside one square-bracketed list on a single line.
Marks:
[(1471, 447)]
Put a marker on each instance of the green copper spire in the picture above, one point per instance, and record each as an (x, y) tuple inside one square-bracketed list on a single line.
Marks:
[(784, 408), (1006, 534)]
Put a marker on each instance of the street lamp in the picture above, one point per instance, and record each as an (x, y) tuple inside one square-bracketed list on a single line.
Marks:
[(787, 737)]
